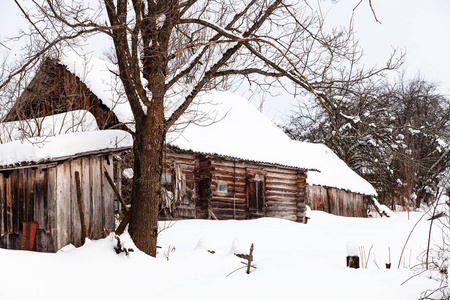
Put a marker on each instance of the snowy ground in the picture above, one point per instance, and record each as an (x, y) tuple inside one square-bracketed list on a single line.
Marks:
[(294, 261)]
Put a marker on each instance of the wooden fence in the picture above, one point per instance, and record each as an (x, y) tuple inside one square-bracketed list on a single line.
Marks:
[(336, 201)]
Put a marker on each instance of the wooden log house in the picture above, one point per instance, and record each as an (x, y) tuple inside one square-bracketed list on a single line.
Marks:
[(252, 178), (61, 194), (213, 186)]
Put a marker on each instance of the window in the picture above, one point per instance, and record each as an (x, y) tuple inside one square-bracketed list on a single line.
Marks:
[(166, 178), (222, 187)]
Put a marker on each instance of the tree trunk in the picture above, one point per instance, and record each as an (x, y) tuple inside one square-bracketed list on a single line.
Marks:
[(146, 191)]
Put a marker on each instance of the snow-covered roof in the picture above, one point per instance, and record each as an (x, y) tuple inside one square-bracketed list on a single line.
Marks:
[(72, 121), (227, 125), (334, 172), (38, 150)]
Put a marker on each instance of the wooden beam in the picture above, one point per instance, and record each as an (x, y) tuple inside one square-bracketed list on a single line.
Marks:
[(81, 207), (116, 191), (126, 219)]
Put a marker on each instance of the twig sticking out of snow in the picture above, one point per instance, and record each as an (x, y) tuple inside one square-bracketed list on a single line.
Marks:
[(364, 258), (119, 249), (247, 264)]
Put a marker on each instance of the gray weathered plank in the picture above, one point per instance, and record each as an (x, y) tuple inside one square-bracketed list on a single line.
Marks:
[(96, 186), (86, 192), (52, 212), (77, 239), (63, 205), (40, 199)]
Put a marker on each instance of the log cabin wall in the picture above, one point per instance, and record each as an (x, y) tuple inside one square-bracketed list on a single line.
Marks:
[(55, 90), (228, 199), (227, 188), (336, 201), (246, 190), (47, 194)]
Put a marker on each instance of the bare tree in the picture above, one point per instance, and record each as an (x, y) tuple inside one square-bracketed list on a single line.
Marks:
[(397, 137), (169, 51)]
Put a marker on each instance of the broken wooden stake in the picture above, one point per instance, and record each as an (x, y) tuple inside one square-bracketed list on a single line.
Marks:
[(250, 258)]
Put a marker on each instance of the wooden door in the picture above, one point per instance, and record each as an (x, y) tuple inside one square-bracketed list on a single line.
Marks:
[(255, 196)]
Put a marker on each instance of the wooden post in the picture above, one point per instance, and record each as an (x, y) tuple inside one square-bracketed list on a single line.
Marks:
[(81, 207), (250, 258), (353, 262), (116, 191)]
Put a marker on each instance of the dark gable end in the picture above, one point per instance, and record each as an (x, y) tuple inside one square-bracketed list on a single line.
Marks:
[(55, 90)]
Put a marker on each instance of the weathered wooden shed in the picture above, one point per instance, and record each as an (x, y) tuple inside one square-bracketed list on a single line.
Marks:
[(337, 201), (336, 189), (58, 183)]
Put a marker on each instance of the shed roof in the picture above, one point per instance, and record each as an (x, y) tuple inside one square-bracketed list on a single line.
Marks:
[(71, 121), (38, 150)]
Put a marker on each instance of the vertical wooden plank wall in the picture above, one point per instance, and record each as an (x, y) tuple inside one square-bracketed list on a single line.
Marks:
[(85, 178), (47, 195), (63, 205), (52, 210), (15, 203), (191, 174), (96, 175), (336, 201), (40, 209)]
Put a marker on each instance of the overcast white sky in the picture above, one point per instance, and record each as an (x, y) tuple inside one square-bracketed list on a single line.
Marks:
[(421, 28)]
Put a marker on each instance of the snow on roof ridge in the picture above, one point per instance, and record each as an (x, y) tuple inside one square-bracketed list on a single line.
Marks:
[(37, 150), (334, 172), (98, 76), (71, 121)]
